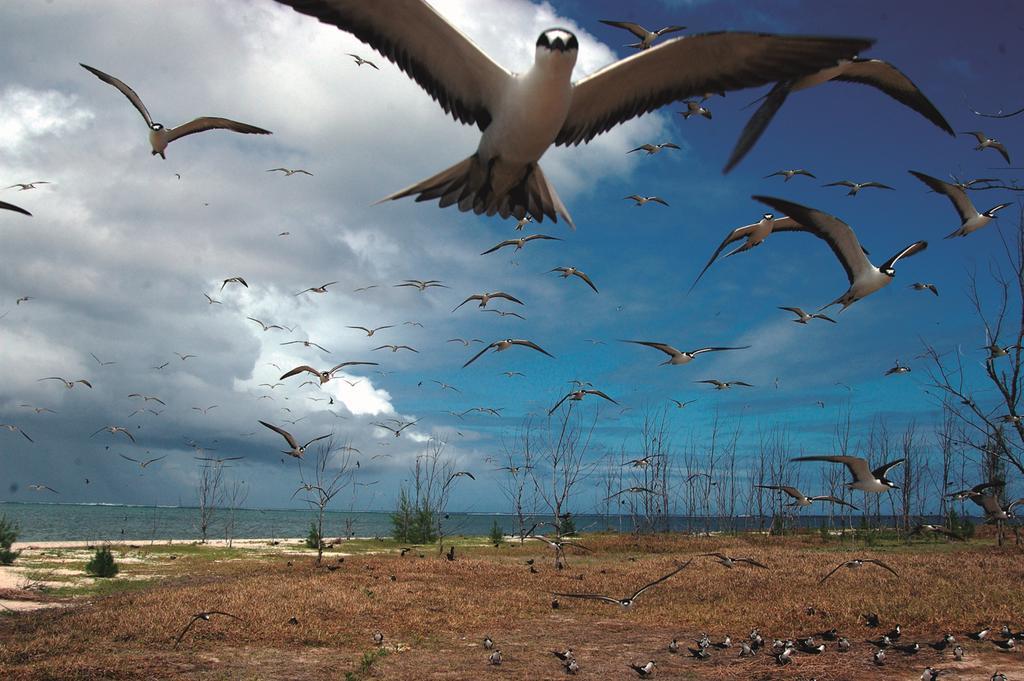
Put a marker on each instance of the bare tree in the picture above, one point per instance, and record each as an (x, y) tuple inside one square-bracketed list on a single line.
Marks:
[(514, 484), (236, 494), (991, 423), (558, 450), (210, 493), (332, 471), (650, 469), (945, 435), (911, 471)]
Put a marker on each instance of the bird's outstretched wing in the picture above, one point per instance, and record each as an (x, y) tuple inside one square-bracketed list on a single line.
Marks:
[(659, 580), (880, 564), (125, 90), (205, 123), (17, 209), (893, 82), (834, 570), (477, 355), (690, 66), (830, 229), (283, 433), (410, 33)]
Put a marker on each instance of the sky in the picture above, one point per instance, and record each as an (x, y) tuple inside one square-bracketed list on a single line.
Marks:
[(123, 245)]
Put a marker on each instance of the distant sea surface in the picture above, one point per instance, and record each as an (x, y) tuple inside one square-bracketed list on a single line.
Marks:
[(95, 522)]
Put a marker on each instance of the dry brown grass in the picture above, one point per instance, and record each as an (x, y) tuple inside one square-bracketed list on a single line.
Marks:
[(435, 613)]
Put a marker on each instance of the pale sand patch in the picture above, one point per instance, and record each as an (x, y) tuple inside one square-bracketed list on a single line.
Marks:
[(269, 544), (28, 606)]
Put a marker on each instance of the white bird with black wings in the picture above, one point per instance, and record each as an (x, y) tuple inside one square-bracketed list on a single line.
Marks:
[(522, 115)]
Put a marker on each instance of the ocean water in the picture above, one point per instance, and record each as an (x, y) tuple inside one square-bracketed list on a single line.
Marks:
[(109, 522)]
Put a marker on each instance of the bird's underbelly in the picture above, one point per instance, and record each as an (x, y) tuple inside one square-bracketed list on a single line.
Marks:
[(975, 223), (868, 283), (868, 486), (528, 121), (156, 140)]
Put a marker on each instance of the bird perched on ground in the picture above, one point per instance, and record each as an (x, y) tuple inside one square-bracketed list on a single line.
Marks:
[(503, 175), (159, 136), (645, 670)]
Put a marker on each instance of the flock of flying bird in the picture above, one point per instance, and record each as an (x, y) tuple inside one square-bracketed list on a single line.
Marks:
[(520, 116)]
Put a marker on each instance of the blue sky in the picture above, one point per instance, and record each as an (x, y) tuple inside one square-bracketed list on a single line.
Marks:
[(120, 251)]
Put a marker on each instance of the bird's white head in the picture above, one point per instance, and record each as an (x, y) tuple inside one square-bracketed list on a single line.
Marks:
[(557, 44), (768, 216), (157, 126)]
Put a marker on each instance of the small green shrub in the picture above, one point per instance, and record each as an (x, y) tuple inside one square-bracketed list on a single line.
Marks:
[(313, 539), (413, 522), (102, 563), (568, 526), (8, 535), (497, 536)]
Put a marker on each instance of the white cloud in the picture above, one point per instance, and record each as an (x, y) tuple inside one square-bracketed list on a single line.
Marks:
[(27, 115)]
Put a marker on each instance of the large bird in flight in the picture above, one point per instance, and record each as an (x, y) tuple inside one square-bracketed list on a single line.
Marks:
[(521, 115)]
